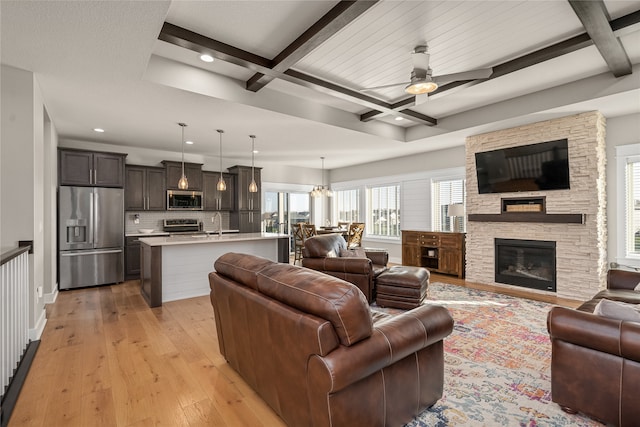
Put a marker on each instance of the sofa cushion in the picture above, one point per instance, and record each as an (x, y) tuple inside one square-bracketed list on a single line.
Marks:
[(617, 310), (324, 246), (623, 295), (242, 268), (335, 300), (353, 253)]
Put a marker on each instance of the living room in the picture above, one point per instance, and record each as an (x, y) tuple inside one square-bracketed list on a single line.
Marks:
[(359, 153)]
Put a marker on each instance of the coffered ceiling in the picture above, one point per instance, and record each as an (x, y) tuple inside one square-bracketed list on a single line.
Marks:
[(294, 73)]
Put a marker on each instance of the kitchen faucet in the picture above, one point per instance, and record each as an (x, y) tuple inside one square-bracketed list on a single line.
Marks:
[(217, 214)]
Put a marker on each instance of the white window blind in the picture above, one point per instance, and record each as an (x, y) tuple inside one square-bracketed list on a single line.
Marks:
[(383, 211), (445, 193), (632, 206), (347, 204)]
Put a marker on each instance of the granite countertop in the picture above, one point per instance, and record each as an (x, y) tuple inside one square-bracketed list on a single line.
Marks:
[(208, 238)]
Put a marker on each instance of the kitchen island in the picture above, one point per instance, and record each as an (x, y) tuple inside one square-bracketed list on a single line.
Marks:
[(177, 267)]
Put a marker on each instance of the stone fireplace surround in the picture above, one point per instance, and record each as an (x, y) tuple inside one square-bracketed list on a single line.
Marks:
[(581, 249)]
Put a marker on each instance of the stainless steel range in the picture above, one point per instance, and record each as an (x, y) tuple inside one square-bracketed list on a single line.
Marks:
[(183, 226)]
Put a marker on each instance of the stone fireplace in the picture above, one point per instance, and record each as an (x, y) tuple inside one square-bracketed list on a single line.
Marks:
[(574, 219)]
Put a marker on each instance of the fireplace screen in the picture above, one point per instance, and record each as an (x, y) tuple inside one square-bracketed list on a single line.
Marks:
[(527, 263)]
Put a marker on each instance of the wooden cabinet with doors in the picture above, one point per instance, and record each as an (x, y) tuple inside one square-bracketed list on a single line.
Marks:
[(215, 200), (145, 188), (193, 172), (90, 168), (131, 258), (440, 252), (247, 216)]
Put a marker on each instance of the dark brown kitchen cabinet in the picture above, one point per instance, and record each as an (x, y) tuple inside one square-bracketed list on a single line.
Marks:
[(193, 172), (131, 258), (215, 200), (440, 252), (145, 188), (90, 168), (247, 215)]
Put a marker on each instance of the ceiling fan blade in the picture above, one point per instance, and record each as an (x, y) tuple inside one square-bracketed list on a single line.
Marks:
[(483, 73), (420, 60), (384, 87)]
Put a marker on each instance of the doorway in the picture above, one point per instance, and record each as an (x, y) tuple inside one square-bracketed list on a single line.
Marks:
[(282, 210)]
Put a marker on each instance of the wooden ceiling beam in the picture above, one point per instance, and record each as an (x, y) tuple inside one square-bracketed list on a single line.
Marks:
[(595, 19), (333, 21)]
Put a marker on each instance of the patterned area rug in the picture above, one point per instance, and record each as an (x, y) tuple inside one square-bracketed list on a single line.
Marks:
[(497, 363)]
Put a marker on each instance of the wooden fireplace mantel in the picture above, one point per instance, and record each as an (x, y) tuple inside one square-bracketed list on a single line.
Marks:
[(540, 217)]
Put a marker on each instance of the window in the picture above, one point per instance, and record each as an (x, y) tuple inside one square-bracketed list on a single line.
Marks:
[(347, 204), (383, 211), (632, 206), (445, 193)]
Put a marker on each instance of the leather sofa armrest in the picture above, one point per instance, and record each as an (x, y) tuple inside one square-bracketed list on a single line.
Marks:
[(622, 279), (616, 337), (391, 341), (378, 257), (342, 265)]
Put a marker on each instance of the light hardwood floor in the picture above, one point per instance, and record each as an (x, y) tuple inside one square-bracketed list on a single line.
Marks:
[(107, 359)]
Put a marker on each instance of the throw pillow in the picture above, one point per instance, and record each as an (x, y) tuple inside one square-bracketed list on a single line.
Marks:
[(637, 288), (353, 253), (617, 310)]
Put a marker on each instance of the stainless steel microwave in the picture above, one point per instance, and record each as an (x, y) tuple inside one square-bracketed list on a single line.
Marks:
[(184, 200)]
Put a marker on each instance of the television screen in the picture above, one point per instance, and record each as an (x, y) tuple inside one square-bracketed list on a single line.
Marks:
[(542, 166)]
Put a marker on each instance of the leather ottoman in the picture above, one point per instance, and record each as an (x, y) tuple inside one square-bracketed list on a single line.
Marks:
[(402, 287)]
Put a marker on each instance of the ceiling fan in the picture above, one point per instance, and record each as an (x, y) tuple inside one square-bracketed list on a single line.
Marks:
[(423, 82)]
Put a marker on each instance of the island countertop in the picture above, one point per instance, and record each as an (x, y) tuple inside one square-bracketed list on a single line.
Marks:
[(177, 267), (207, 238)]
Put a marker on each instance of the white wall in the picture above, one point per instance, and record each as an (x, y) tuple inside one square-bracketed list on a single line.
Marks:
[(22, 188), (623, 130)]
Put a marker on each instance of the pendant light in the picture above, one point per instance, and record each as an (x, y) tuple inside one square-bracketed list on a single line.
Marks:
[(221, 186), (321, 190), (183, 184), (253, 187)]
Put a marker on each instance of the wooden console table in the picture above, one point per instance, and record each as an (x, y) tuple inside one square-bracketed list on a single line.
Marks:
[(439, 252)]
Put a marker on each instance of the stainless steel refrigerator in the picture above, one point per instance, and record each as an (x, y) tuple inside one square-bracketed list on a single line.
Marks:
[(90, 236)]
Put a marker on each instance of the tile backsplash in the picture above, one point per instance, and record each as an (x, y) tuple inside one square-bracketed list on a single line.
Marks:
[(153, 219)]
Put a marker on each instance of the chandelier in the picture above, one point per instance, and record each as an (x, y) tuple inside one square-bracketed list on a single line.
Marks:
[(321, 190)]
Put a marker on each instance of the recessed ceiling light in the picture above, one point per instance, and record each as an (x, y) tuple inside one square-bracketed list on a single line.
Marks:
[(189, 142), (255, 151), (206, 58), (100, 130), (399, 118)]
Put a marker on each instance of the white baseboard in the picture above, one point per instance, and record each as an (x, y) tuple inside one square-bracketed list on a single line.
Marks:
[(50, 298), (36, 333)]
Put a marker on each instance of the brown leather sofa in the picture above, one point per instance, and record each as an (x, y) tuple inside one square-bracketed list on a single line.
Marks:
[(595, 361), (322, 253), (306, 343)]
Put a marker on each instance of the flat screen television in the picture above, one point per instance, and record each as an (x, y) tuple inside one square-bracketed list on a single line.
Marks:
[(534, 167)]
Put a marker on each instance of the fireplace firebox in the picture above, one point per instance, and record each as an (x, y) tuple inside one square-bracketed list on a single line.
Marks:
[(527, 263)]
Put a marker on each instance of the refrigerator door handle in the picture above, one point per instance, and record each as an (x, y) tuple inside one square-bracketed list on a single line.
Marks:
[(91, 220), (78, 253)]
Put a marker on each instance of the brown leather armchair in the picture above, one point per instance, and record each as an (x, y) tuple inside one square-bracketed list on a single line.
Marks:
[(595, 360), (322, 253), (306, 343)]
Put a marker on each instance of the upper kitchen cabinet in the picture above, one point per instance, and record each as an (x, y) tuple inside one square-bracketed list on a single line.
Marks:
[(215, 200), (193, 172), (145, 188), (246, 201), (90, 168)]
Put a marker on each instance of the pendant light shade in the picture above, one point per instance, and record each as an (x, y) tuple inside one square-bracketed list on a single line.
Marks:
[(321, 190), (183, 184), (253, 187), (221, 186)]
